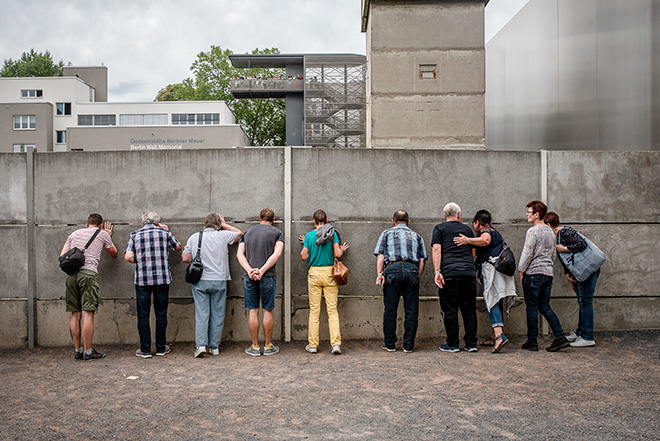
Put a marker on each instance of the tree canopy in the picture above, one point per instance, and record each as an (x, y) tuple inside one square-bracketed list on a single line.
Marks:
[(262, 119), (32, 64)]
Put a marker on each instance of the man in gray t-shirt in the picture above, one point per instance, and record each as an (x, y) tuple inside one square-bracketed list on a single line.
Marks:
[(258, 251)]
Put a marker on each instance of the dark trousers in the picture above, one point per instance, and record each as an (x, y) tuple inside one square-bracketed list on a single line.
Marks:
[(537, 288), (401, 280), (460, 293), (143, 300)]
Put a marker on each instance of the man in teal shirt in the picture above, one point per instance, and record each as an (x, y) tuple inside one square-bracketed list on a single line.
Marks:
[(320, 247)]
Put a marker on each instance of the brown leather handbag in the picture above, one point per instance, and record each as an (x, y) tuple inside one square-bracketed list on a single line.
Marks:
[(340, 272)]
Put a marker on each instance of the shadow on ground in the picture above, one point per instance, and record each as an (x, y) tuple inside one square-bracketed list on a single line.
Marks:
[(610, 391)]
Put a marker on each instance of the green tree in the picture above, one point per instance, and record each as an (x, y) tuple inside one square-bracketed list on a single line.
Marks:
[(262, 119), (32, 64)]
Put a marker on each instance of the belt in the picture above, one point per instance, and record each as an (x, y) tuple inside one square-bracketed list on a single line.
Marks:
[(402, 261)]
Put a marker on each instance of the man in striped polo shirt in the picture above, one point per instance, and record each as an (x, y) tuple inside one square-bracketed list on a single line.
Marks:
[(148, 249), (401, 255)]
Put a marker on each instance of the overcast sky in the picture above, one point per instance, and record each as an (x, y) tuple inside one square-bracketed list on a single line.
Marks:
[(148, 44)]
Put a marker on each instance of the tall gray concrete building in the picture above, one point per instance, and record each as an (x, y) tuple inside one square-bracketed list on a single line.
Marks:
[(425, 73)]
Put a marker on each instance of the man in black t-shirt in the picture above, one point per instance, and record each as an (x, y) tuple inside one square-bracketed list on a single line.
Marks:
[(455, 275), (258, 251)]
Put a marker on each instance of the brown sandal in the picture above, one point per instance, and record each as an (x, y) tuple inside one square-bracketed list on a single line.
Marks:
[(488, 342)]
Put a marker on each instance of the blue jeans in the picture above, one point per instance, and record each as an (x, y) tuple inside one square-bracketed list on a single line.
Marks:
[(143, 301), (585, 295), (536, 288), (210, 302), (495, 315), (401, 280)]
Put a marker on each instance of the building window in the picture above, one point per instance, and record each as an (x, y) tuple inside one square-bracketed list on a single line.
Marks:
[(192, 118), (148, 119), (32, 93), (97, 120), (427, 71), (60, 136), (25, 122), (22, 148), (63, 109)]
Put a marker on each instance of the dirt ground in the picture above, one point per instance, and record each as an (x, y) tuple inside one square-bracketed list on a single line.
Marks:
[(607, 392)]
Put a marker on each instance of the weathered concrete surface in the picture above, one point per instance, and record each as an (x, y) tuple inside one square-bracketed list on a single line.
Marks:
[(13, 324), (13, 183), (611, 186), (116, 322), (368, 185), (182, 185), (13, 262)]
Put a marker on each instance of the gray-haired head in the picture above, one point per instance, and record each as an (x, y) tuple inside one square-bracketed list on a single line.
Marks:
[(150, 217), (451, 210)]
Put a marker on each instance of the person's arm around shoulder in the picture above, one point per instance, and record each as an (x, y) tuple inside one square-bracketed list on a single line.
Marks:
[(112, 249)]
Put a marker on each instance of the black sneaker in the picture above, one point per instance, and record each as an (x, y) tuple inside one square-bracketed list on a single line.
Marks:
[(94, 355), (77, 355), (557, 344), (531, 346), (387, 349)]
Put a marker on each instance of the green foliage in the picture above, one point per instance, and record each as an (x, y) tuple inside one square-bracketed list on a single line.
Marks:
[(32, 64), (262, 119)]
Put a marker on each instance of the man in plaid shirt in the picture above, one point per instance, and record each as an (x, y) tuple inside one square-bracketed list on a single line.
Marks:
[(148, 249)]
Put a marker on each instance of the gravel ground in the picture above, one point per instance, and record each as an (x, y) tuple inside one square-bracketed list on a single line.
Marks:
[(607, 392)]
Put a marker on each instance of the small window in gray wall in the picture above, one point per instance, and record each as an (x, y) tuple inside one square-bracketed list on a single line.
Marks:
[(25, 122), (60, 137), (63, 109), (427, 71)]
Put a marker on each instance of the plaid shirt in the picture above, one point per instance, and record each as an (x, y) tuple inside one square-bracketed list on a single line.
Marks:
[(150, 246), (400, 243)]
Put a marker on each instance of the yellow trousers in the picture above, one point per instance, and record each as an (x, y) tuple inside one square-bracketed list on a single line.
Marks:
[(321, 283)]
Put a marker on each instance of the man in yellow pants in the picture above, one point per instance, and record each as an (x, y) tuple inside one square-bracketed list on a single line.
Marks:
[(320, 247)]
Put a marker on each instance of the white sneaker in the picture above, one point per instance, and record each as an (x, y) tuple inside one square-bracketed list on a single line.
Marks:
[(215, 351), (336, 349), (572, 337), (310, 349), (582, 343), (200, 351)]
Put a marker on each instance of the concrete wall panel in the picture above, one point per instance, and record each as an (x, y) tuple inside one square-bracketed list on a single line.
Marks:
[(604, 186), (369, 185), (13, 262), (458, 71), (428, 25), (13, 183), (13, 324)]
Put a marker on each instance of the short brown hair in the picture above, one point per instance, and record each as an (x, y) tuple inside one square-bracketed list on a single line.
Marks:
[(267, 215), (552, 219), (538, 207), (95, 219), (320, 217), (212, 221)]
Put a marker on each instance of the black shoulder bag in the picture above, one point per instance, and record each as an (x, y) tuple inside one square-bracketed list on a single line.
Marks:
[(195, 269), (74, 259)]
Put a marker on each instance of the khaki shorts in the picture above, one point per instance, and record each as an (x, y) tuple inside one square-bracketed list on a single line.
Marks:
[(82, 291)]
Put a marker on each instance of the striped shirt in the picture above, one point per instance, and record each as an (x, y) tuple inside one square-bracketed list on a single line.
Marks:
[(150, 246), (79, 239), (400, 243)]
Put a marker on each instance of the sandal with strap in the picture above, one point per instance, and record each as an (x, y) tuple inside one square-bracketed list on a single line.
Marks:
[(502, 340), (488, 342)]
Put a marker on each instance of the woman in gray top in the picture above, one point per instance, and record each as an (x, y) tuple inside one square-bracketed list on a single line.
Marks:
[(536, 269)]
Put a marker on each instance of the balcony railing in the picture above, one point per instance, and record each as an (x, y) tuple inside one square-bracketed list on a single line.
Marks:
[(269, 84)]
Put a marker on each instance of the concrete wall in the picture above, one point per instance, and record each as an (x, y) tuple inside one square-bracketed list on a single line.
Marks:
[(610, 196), (409, 112)]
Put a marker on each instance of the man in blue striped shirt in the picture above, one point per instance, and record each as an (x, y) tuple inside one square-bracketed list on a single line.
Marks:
[(148, 249), (400, 262)]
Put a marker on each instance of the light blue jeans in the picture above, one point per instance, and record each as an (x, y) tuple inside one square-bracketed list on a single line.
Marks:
[(210, 302), (495, 315)]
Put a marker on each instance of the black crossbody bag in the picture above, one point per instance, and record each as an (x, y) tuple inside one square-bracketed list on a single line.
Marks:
[(74, 259), (195, 269)]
